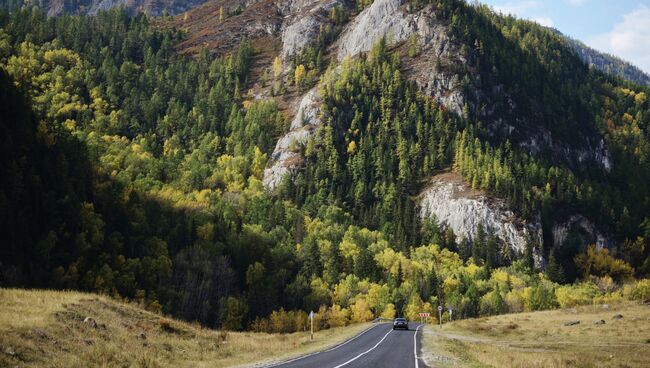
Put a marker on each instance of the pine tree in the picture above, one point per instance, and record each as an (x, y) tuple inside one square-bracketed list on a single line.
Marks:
[(554, 270)]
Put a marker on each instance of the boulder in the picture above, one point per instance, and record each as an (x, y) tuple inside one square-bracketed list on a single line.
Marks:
[(90, 322), (599, 322), (572, 323), (617, 316)]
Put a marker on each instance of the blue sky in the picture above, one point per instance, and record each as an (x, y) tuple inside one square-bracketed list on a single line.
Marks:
[(618, 27)]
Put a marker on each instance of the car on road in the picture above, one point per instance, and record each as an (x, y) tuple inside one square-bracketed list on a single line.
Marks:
[(400, 323)]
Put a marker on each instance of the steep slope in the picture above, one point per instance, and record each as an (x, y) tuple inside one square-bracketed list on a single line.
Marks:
[(42, 328), (608, 63), (160, 194), (91, 7)]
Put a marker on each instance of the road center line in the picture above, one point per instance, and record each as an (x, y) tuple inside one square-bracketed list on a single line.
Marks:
[(415, 346), (365, 352)]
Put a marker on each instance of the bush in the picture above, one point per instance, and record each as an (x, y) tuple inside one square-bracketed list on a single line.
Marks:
[(338, 317), (389, 312), (573, 295), (492, 303), (361, 311), (514, 302), (599, 262), (640, 290), (540, 296)]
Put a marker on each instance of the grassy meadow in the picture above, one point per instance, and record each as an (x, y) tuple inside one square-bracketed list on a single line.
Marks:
[(40, 328), (545, 339)]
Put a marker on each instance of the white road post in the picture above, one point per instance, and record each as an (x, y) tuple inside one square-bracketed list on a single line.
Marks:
[(440, 315), (311, 317)]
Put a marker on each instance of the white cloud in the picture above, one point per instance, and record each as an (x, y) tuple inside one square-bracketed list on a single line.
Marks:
[(528, 9), (629, 39), (545, 21), (576, 2), (518, 8)]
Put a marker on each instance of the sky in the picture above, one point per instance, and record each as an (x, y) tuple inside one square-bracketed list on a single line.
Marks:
[(618, 27)]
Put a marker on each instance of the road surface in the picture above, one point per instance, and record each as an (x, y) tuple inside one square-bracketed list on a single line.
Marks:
[(377, 347)]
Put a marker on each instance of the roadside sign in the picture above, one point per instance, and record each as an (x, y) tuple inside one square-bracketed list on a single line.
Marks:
[(450, 311), (440, 315), (440, 308), (311, 317), (423, 314)]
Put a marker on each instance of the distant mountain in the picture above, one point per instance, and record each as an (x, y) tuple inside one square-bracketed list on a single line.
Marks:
[(91, 7), (609, 64)]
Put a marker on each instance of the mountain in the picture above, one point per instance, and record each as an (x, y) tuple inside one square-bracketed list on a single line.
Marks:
[(91, 7), (609, 64), (243, 162)]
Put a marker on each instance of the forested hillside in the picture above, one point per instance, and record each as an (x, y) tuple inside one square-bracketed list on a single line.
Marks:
[(609, 64), (133, 170), (91, 7)]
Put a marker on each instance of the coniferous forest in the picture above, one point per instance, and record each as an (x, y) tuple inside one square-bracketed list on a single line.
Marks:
[(130, 169)]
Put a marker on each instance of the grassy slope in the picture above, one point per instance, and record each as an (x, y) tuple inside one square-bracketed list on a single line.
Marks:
[(540, 339), (46, 328)]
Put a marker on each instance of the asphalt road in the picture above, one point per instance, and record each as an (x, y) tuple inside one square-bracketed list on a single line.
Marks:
[(377, 347)]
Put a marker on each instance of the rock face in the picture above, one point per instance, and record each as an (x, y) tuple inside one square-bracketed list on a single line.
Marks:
[(303, 23), (91, 7), (384, 18), (462, 209), (285, 157), (582, 227), (390, 19)]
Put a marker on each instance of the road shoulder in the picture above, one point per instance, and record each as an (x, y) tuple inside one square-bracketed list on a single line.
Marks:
[(324, 341)]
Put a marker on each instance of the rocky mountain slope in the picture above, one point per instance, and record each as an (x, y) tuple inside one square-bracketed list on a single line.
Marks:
[(91, 7), (441, 66), (609, 64)]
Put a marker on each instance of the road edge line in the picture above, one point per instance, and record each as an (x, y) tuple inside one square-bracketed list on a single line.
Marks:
[(318, 352), (415, 346)]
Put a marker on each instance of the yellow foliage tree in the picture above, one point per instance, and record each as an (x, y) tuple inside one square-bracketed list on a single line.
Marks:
[(352, 147), (389, 312), (361, 311), (278, 68), (338, 317), (299, 76)]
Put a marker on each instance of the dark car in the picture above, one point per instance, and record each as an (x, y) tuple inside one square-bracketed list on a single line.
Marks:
[(400, 323)]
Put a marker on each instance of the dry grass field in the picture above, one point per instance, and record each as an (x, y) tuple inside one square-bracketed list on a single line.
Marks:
[(47, 329), (544, 339)]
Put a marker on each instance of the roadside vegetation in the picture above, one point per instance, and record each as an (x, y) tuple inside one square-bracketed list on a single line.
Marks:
[(41, 328), (598, 335)]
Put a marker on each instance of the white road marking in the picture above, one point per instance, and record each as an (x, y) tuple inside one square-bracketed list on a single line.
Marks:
[(365, 352), (346, 342), (318, 352), (415, 346)]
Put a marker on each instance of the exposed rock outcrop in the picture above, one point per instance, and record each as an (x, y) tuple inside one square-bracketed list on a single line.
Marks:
[(390, 19), (383, 18), (285, 157), (579, 226), (303, 23), (91, 7), (457, 206)]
